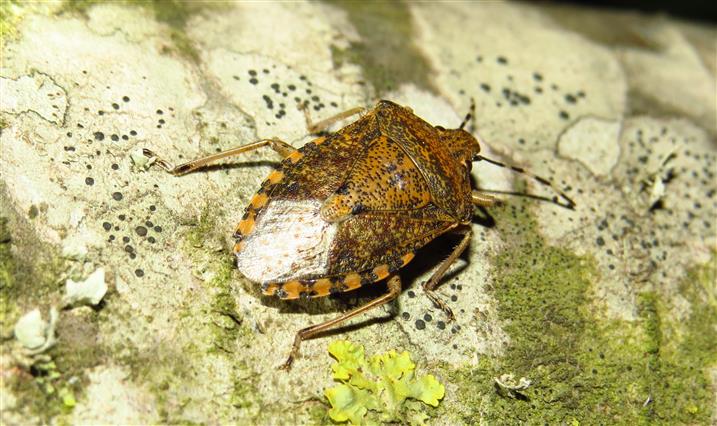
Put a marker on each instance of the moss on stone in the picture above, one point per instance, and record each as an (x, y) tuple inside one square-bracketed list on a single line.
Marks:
[(49, 393), (583, 367), (228, 325), (229, 332), (11, 14), (8, 19), (678, 383), (29, 278), (8, 306), (386, 52), (174, 13), (202, 229), (79, 6), (29, 272)]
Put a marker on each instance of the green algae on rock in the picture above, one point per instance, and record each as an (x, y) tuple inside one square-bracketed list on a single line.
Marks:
[(583, 367)]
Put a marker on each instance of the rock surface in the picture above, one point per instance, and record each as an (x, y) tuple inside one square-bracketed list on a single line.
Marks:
[(608, 310)]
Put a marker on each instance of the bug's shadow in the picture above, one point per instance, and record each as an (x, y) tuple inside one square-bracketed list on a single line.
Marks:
[(336, 305), (237, 165), (482, 217), (551, 200)]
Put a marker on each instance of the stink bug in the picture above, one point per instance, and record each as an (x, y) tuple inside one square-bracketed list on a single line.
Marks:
[(351, 208)]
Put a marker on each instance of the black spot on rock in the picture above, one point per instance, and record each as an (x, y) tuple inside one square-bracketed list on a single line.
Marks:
[(420, 325)]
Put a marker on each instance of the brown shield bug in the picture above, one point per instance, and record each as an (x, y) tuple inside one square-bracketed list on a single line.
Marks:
[(351, 208)]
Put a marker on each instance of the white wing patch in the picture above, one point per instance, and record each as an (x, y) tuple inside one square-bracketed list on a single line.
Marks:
[(289, 240)]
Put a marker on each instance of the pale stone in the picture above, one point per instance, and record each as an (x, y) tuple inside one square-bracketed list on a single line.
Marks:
[(594, 143)]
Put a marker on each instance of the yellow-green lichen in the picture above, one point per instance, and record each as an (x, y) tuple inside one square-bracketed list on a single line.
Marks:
[(386, 52), (380, 389), (583, 368)]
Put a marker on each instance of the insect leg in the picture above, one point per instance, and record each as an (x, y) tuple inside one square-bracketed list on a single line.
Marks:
[(283, 148), (429, 285), (482, 200), (325, 123), (394, 288)]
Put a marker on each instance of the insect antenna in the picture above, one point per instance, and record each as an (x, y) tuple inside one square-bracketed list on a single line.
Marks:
[(571, 204), (469, 115)]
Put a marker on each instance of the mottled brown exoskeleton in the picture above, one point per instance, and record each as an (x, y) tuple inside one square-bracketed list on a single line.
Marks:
[(351, 208)]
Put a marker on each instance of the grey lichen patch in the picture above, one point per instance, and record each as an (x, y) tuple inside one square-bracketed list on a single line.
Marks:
[(129, 403), (656, 54), (271, 92), (636, 221), (36, 93), (386, 52), (593, 142), (223, 124), (530, 81), (652, 75)]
